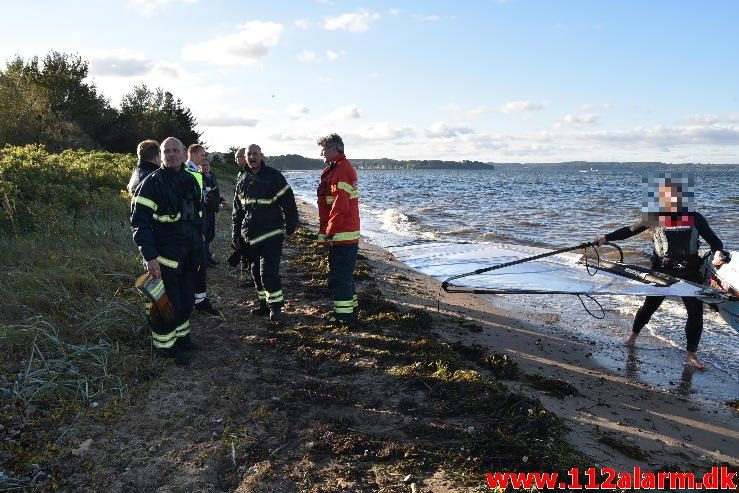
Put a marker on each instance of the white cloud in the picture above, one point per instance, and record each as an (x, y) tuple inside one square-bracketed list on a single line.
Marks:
[(664, 137), (332, 55), (228, 120), (293, 137), (393, 12), (595, 106), (375, 75), (301, 24), (350, 111), (384, 131), (296, 111), (428, 18), (522, 106), (354, 22), (247, 46), (120, 63), (442, 130), (586, 119), (306, 56), (479, 110), (150, 7)]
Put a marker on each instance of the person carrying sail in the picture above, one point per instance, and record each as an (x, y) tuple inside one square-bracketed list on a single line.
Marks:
[(667, 211)]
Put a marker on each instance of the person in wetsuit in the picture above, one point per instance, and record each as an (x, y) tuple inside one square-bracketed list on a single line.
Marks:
[(675, 253)]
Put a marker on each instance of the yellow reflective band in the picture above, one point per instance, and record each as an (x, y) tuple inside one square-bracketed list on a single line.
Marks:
[(329, 199), (183, 329), (144, 201), (343, 303), (167, 262), (265, 236), (355, 301), (262, 295), (321, 238), (343, 310), (167, 218), (274, 199), (163, 341), (353, 192), (275, 297), (349, 235)]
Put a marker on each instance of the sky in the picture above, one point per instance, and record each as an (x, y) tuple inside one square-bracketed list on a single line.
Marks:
[(486, 80)]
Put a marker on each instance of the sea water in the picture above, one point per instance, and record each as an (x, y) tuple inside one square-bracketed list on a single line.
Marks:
[(552, 206)]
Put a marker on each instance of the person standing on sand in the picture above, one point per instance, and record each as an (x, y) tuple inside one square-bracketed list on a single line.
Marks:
[(264, 211), (675, 227), (338, 212), (168, 230)]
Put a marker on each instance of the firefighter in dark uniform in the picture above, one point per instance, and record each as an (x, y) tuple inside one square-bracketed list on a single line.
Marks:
[(166, 219), (264, 211), (149, 160)]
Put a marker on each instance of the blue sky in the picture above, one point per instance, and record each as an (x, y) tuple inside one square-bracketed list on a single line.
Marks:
[(490, 80)]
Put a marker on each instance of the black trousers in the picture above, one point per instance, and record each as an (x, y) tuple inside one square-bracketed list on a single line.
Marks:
[(179, 284), (209, 225), (264, 263), (694, 307)]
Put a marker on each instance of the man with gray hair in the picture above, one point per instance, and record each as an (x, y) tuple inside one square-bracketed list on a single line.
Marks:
[(338, 212)]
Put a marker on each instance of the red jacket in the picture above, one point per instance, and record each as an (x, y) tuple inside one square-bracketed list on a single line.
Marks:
[(338, 203)]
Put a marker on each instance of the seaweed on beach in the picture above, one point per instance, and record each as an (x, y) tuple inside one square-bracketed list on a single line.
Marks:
[(502, 366), (553, 386), (625, 447)]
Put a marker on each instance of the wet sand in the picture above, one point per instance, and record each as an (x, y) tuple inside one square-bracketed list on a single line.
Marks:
[(659, 415)]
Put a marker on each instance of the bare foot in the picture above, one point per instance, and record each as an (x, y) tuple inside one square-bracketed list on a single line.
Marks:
[(631, 341), (691, 359)]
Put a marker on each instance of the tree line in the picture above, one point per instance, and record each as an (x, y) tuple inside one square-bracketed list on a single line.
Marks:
[(48, 101)]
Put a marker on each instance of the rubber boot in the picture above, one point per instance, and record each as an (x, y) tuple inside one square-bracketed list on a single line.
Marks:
[(262, 310), (179, 357), (187, 344), (275, 314)]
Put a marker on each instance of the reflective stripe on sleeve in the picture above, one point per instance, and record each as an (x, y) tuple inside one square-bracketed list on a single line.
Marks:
[(172, 264), (144, 201), (349, 235), (353, 192)]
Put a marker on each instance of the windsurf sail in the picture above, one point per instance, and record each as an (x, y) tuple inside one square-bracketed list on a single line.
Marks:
[(495, 268)]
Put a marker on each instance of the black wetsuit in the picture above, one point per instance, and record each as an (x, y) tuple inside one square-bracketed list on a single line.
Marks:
[(675, 253)]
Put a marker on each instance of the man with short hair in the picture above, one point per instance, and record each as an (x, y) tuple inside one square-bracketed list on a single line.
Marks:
[(195, 158), (338, 211), (149, 160), (167, 228), (264, 211)]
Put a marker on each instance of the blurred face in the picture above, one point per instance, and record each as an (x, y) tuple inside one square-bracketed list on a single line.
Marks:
[(173, 153), (198, 157), (329, 154), (205, 167), (241, 160), (670, 198), (254, 157)]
